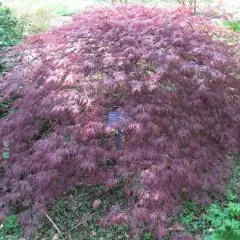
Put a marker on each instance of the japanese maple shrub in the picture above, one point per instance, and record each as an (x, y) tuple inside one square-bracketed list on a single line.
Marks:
[(179, 87)]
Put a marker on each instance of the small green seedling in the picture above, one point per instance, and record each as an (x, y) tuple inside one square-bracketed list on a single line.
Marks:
[(5, 153)]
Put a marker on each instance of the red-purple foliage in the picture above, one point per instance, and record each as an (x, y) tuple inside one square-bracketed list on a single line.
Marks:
[(178, 85)]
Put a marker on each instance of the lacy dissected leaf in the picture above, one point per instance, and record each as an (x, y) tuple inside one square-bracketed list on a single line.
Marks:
[(178, 87)]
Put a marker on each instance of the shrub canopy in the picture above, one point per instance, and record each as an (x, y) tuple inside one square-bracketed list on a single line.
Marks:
[(162, 68), (10, 28)]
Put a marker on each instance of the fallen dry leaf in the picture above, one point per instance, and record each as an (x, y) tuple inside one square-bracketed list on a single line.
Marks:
[(176, 227), (55, 237), (96, 203)]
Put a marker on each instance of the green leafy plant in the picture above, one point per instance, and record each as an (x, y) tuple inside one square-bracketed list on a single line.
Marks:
[(10, 229), (215, 222), (234, 25), (225, 219), (147, 236), (10, 28), (5, 105), (225, 222), (1, 64), (2, 67), (5, 154), (233, 191), (220, 220), (191, 217)]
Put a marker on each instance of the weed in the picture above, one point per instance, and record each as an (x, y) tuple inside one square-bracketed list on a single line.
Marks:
[(191, 217), (5, 106), (219, 221), (5, 153), (147, 236), (10, 229)]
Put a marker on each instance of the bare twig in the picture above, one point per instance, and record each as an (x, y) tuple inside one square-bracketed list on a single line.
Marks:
[(55, 226)]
